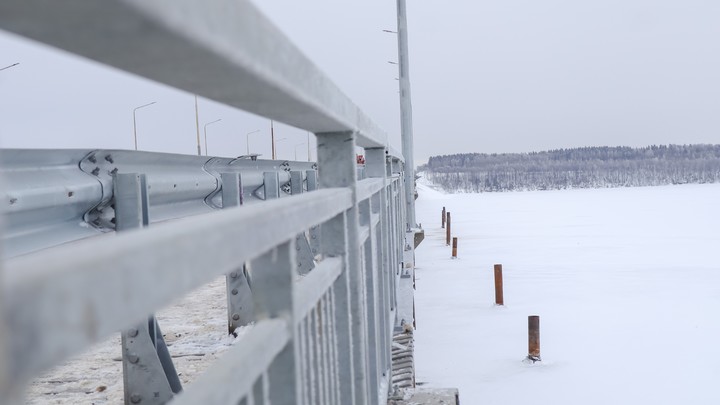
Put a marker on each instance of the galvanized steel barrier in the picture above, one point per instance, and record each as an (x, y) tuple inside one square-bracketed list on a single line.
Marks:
[(321, 335)]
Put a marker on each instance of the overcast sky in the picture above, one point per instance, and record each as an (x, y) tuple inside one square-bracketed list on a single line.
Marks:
[(487, 76)]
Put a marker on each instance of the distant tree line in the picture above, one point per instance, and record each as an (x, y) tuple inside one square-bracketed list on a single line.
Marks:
[(589, 167)]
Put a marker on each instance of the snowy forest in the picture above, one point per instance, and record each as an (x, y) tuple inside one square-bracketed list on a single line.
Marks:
[(589, 167)]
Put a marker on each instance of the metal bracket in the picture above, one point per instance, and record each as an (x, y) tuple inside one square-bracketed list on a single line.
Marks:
[(149, 375), (239, 296), (239, 300), (314, 233), (304, 255)]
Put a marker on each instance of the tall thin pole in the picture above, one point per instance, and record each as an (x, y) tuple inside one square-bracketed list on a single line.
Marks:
[(406, 128), (308, 145), (272, 139), (197, 127), (247, 139), (205, 132), (135, 121), (8, 67)]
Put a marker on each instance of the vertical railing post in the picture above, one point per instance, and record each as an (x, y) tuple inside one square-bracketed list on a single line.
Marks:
[(311, 181), (376, 166), (10, 389), (304, 254), (336, 168), (273, 287), (239, 296), (370, 274), (296, 182)]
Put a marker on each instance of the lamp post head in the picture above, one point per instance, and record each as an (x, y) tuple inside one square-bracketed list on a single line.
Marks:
[(8, 67), (144, 105)]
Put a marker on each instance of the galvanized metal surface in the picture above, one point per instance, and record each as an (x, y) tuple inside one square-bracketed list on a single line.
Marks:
[(406, 123), (58, 196), (324, 339), (272, 335), (140, 272)]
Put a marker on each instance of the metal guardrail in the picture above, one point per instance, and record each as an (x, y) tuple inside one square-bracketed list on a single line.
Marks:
[(320, 338), (58, 196), (65, 289)]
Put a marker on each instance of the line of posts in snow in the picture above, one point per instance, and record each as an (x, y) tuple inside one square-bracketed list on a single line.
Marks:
[(533, 320)]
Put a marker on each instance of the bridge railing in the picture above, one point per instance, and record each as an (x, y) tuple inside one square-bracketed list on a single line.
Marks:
[(321, 336), (306, 345)]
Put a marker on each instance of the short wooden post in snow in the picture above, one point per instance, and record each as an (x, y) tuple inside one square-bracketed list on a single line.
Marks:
[(447, 229), (499, 300), (533, 338)]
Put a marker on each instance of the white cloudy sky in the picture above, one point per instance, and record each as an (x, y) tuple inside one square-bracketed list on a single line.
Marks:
[(487, 76)]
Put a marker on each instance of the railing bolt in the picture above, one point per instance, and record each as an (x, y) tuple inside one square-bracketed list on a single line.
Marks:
[(234, 274), (234, 291), (133, 332), (133, 358), (236, 317), (135, 398)]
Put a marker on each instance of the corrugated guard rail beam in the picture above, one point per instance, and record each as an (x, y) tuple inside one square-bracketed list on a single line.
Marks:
[(323, 338), (58, 196)]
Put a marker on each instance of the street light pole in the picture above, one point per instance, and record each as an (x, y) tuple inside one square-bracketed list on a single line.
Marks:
[(197, 127), (276, 142), (135, 121), (8, 67), (406, 127), (308, 145), (247, 139), (272, 139), (205, 131), (296, 146)]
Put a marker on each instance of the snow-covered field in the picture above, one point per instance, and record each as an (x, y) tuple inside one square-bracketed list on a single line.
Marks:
[(626, 283), (195, 330)]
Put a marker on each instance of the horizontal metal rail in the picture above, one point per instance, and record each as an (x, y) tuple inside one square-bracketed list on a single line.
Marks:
[(109, 283), (368, 187), (57, 196), (272, 335), (320, 338), (312, 286)]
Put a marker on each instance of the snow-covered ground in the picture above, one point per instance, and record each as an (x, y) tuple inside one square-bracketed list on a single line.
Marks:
[(195, 330), (626, 283)]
